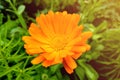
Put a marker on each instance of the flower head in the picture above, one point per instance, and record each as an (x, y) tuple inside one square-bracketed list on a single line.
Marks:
[(57, 38)]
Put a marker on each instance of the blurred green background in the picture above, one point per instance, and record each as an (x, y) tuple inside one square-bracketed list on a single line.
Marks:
[(102, 17)]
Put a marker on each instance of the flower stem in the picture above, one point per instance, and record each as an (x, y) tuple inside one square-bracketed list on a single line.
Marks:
[(20, 17)]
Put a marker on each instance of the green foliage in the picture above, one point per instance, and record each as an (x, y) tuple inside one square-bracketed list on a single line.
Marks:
[(110, 12), (52, 4), (88, 9), (88, 70), (111, 42), (102, 17)]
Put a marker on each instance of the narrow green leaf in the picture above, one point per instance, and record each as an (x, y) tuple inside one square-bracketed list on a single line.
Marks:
[(80, 73), (96, 36), (54, 68), (59, 74), (54, 78), (1, 18), (10, 69), (21, 9), (89, 71), (101, 27)]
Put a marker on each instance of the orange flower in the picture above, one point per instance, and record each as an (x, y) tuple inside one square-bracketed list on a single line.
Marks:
[(57, 38)]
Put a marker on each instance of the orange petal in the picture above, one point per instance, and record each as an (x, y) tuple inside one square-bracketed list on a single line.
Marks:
[(79, 49), (70, 62), (47, 63), (65, 53), (87, 47), (49, 56), (43, 22), (49, 22), (38, 59), (58, 59), (76, 32), (67, 68), (47, 48), (64, 23), (74, 41), (56, 22), (86, 35), (33, 48), (28, 40), (76, 55), (73, 22), (36, 33), (34, 51), (61, 25)]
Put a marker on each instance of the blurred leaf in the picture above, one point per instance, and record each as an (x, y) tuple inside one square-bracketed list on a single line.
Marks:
[(1, 18), (54, 68), (53, 78), (66, 77), (89, 71), (1, 7), (101, 27), (21, 9), (28, 1), (90, 27), (100, 47), (80, 73), (96, 36), (59, 74), (10, 69), (16, 30)]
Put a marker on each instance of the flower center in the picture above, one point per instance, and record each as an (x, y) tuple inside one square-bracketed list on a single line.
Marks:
[(58, 43)]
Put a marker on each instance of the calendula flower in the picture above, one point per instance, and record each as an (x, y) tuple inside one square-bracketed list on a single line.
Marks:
[(57, 38)]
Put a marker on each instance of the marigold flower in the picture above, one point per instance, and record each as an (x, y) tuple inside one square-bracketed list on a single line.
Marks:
[(57, 38)]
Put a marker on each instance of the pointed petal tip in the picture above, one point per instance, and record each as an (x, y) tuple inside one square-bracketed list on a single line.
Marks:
[(37, 60)]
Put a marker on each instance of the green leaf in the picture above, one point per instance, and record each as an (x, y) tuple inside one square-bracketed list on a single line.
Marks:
[(66, 77), (59, 75), (99, 47), (101, 27), (10, 69), (1, 7), (54, 78), (54, 68), (90, 27), (21, 9), (89, 71), (80, 73), (28, 1), (1, 18), (96, 36), (16, 31)]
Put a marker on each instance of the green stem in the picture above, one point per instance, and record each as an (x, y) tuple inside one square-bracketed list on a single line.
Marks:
[(20, 17), (33, 67), (59, 75), (18, 76), (51, 6), (5, 61), (28, 57), (17, 50), (8, 43), (6, 64), (22, 21)]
